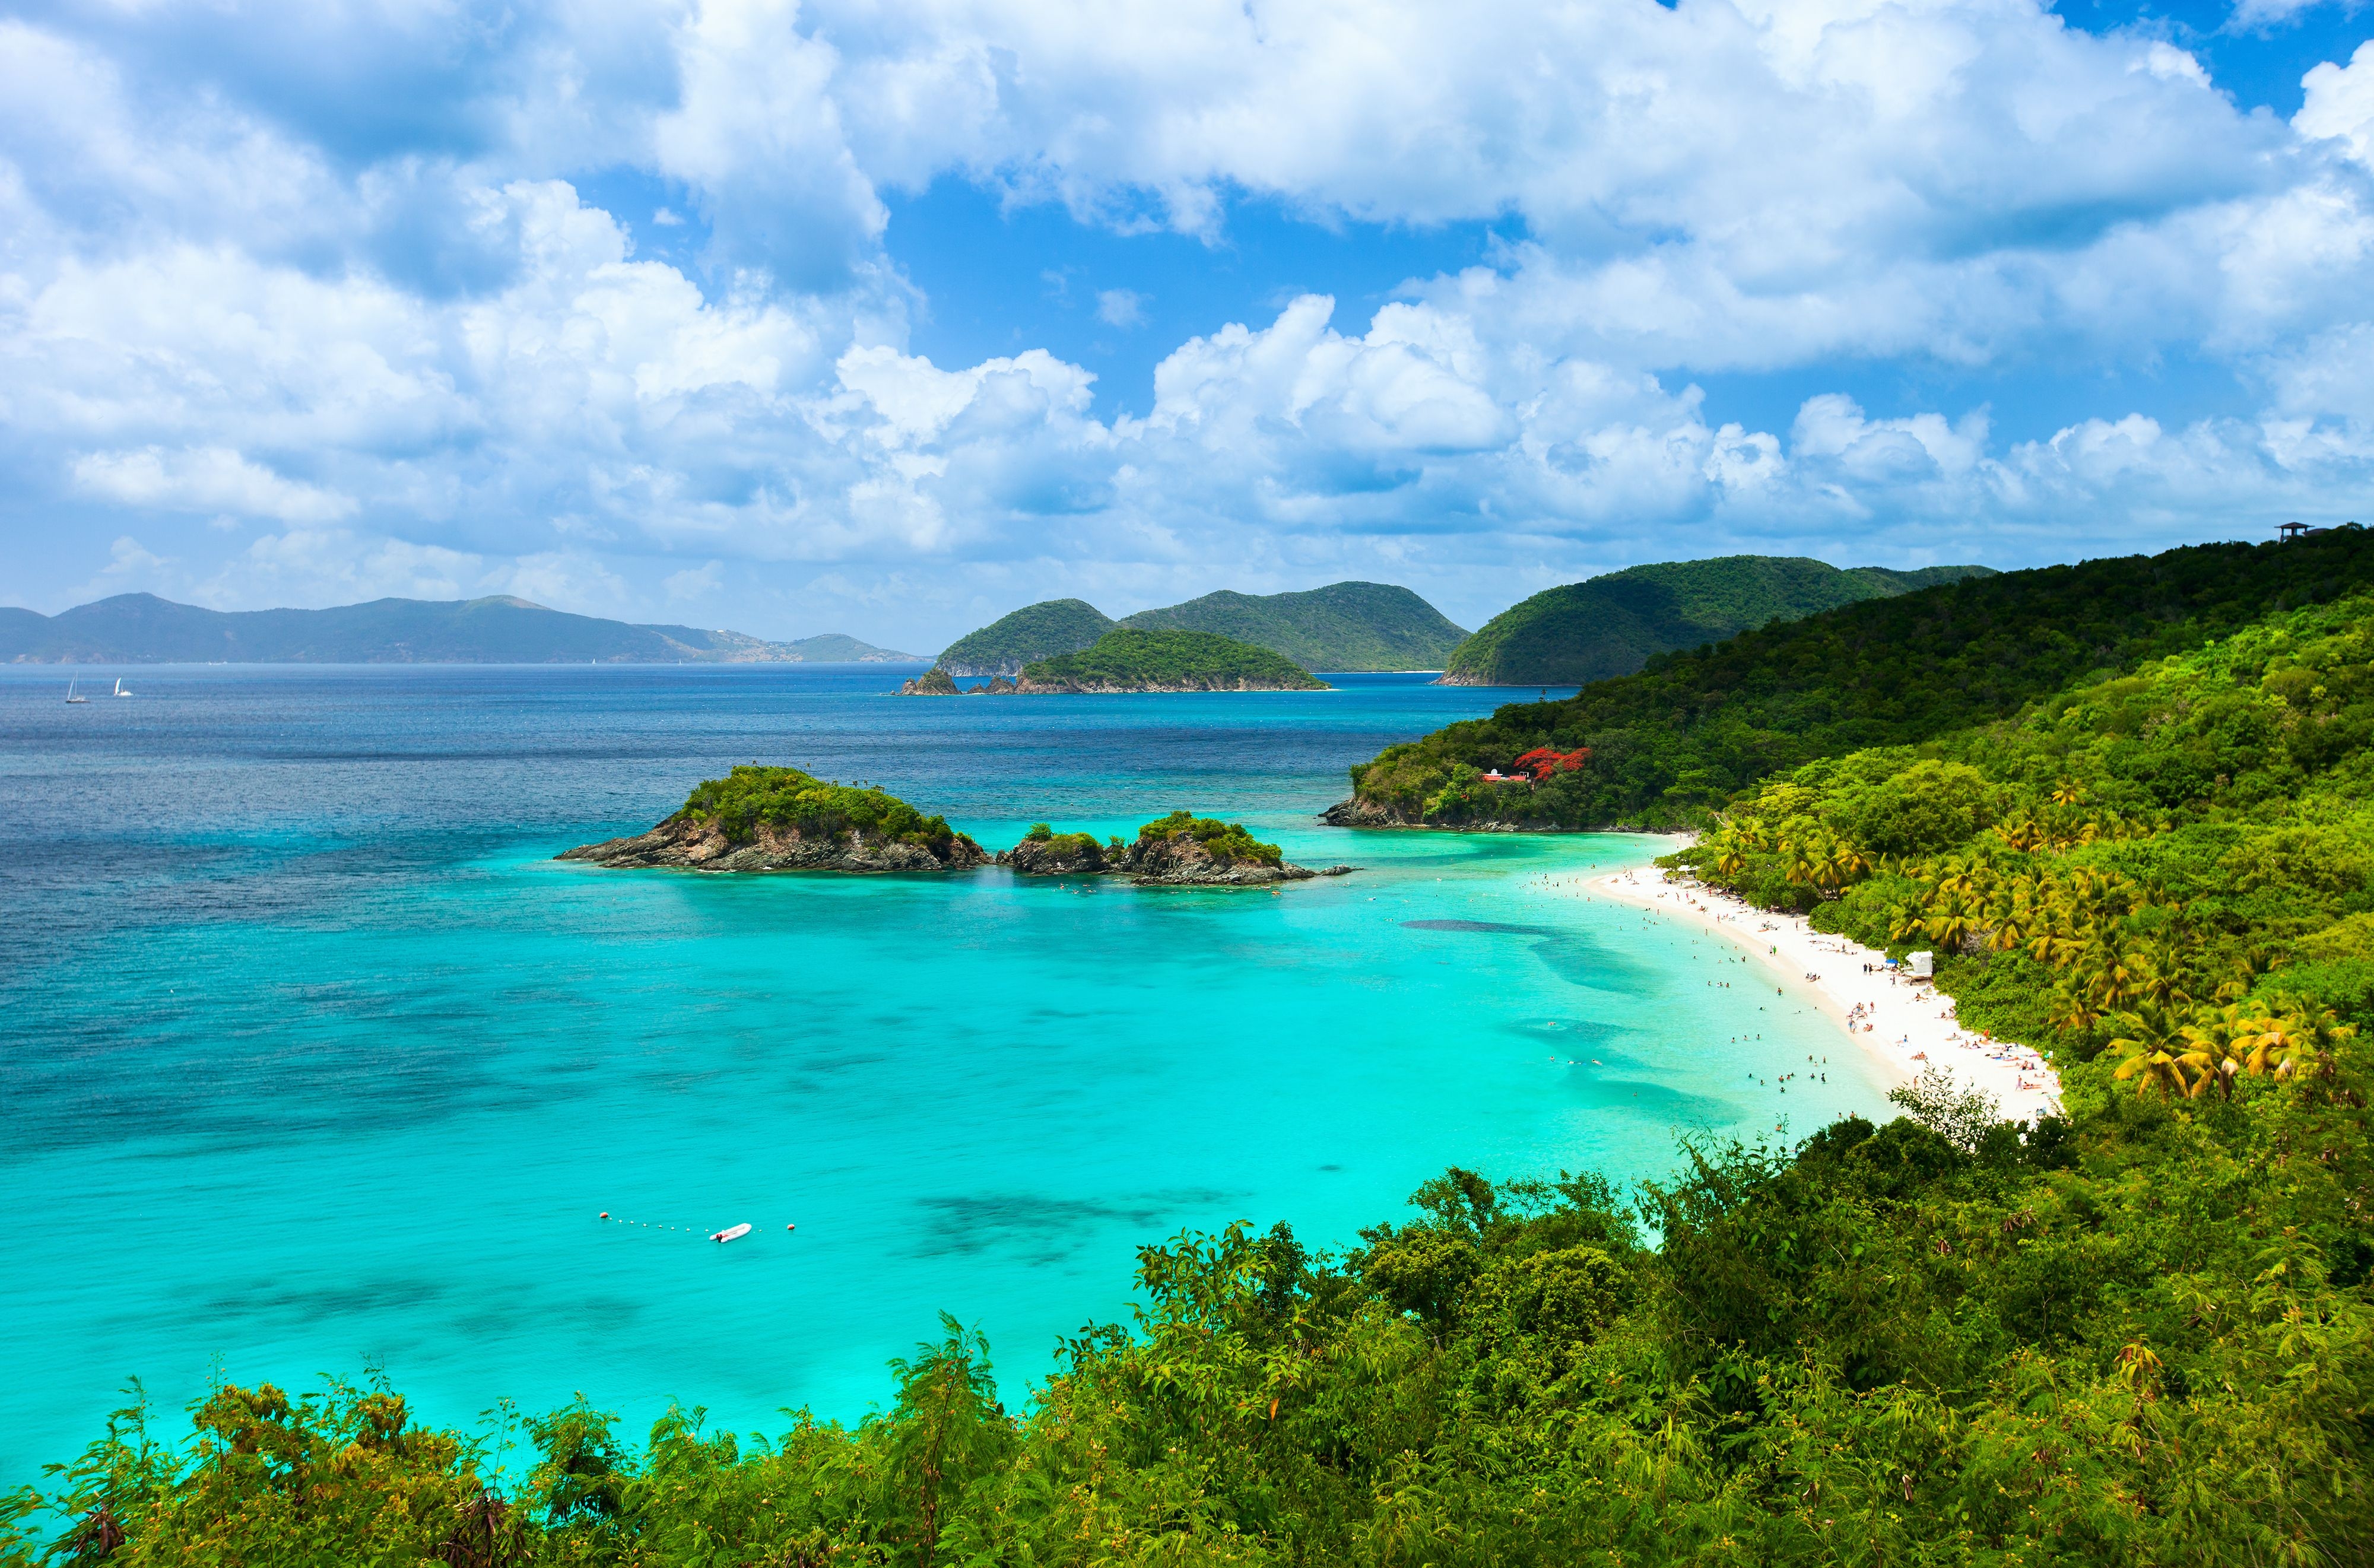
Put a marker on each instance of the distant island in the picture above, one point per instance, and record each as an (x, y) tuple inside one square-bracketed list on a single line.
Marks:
[(1610, 625), (1345, 626), (1126, 660), (768, 818), (143, 629), (1032, 633), (1179, 850)]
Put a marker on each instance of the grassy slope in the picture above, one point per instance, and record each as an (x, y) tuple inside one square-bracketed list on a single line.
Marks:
[(2140, 1336), (1128, 657), (1684, 734), (1033, 632), (1612, 625), (1345, 626)]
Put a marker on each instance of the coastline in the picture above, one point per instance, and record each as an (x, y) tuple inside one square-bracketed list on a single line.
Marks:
[(1901, 1025)]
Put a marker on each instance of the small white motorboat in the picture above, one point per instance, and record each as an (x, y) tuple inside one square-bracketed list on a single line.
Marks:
[(732, 1233)]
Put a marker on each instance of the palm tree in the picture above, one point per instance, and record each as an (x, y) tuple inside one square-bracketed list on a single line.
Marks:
[(2020, 832), (2161, 973), (2216, 1041), (1949, 925), (2073, 1010), (2295, 1038), (2153, 1052), (1831, 863), (2057, 948)]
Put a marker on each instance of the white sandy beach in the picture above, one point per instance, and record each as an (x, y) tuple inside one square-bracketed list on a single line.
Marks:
[(1903, 1024)]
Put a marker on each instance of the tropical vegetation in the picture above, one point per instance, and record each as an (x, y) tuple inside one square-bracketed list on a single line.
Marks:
[(1128, 660), (1222, 841), (1065, 845), (1674, 742), (1610, 625), (2137, 1333), (2173, 867), (786, 798)]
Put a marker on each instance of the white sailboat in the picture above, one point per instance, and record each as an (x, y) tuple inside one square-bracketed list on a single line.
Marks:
[(118, 688), (74, 696)]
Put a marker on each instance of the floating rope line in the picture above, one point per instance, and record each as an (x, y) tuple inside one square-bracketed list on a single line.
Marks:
[(688, 1229)]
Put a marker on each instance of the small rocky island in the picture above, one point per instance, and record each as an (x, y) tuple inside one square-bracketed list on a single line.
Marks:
[(1131, 660), (937, 682), (761, 819), (1180, 850)]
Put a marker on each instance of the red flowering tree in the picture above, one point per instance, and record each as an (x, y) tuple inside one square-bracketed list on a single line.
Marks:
[(1544, 760)]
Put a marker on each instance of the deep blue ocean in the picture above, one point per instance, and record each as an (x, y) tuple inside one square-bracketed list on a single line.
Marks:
[(314, 1060)]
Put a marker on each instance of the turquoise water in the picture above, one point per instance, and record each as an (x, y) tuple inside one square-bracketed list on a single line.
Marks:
[(313, 1057)]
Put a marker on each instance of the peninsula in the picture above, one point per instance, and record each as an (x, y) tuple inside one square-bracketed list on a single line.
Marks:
[(1614, 624), (1665, 747), (763, 819)]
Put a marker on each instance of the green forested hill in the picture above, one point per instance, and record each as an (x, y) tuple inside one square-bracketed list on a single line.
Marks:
[(1128, 660), (2140, 1334), (1033, 632), (1686, 732), (1612, 625), (1345, 626)]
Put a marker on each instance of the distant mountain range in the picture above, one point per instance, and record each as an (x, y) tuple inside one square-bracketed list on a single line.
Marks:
[(1610, 625), (1345, 626), (143, 629)]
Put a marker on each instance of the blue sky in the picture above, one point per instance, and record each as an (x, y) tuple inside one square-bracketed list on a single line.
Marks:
[(886, 318)]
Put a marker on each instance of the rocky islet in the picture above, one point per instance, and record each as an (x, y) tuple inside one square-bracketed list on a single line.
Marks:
[(761, 818)]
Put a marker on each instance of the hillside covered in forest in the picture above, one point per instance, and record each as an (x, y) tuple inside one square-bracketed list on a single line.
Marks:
[(1612, 625), (1680, 737), (2140, 1332), (1033, 632), (1345, 626)]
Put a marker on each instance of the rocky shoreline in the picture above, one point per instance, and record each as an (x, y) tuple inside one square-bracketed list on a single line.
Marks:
[(1359, 813), (939, 682), (762, 819), (1178, 860), (684, 843)]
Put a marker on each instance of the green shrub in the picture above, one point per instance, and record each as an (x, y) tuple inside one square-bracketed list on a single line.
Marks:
[(1223, 841), (787, 798)]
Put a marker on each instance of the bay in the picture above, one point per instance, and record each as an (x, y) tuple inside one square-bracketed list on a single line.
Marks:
[(314, 1060)]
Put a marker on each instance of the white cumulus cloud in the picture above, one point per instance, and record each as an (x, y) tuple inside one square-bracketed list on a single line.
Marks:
[(324, 302)]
